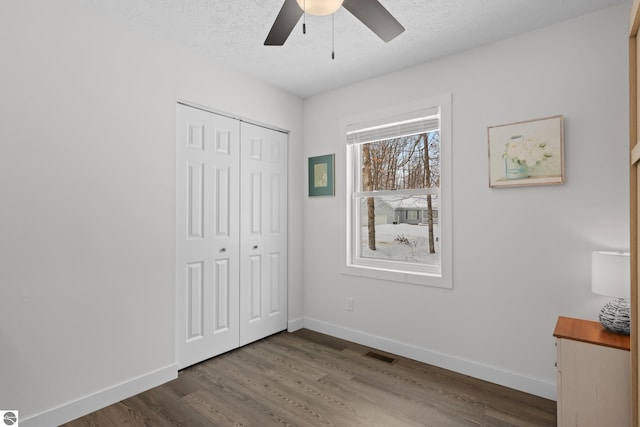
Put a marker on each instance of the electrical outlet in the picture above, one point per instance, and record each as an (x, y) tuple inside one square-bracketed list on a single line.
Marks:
[(349, 304)]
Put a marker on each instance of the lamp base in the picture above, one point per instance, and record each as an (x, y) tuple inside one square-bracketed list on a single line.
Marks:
[(615, 316)]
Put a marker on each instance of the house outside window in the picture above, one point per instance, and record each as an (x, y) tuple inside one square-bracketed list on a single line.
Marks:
[(398, 208)]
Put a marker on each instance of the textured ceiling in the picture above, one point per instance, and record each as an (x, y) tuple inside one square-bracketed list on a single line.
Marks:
[(233, 32)]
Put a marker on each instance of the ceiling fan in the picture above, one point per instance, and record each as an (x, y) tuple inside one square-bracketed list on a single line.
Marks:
[(370, 12)]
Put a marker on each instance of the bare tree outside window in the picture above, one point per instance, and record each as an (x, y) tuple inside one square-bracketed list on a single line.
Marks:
[(367, 183), (408, 165)]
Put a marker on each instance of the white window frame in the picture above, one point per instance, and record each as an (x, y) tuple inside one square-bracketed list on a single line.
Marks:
[(441, 277)]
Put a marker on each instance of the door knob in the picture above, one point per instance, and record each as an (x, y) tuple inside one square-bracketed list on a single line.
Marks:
[(223, 250), (255, 247)]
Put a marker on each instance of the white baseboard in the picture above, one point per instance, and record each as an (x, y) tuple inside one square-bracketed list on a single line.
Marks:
[(100, 399), (493, 374), (295, 324)]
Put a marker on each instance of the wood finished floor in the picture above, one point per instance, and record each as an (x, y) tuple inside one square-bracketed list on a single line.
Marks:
[(309, 379)]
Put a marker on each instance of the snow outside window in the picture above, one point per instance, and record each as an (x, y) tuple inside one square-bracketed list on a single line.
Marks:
[(399, 206)]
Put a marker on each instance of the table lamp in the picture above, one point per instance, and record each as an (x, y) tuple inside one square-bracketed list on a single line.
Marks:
[(610, 276)]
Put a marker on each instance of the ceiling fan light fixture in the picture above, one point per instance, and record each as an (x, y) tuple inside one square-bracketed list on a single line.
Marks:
[(320, 7)]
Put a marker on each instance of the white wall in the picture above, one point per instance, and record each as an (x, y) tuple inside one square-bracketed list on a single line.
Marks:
[(521, 256), (87, 194)]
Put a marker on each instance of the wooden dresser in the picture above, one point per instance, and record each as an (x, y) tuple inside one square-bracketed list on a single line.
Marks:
[(594, 375)]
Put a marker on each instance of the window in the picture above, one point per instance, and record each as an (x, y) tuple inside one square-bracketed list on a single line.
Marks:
[(399, 225)]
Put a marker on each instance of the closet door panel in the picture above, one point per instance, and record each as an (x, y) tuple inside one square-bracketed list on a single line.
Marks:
[(225, 186), (207, 235), (263, 281)]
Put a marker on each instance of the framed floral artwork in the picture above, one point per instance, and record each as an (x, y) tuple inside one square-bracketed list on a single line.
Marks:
[(321, 176), (527, 153)]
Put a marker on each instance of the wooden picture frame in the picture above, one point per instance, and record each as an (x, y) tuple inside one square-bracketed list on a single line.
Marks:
[(321, 175), (527, 153)]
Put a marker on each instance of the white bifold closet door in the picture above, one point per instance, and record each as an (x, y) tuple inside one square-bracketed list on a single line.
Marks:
[(263, 230), (231, 234)]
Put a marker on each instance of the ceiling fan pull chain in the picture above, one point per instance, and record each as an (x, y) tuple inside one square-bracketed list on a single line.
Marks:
[(333, 36), (304, 18)]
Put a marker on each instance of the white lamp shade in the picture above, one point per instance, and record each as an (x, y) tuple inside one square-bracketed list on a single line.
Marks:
[(610, 274), (320, 7)]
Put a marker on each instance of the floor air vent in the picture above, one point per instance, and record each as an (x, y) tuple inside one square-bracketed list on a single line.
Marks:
[(381, 357)]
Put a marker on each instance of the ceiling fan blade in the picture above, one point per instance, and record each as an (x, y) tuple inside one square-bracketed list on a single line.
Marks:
[(285, 22), (372, 14)]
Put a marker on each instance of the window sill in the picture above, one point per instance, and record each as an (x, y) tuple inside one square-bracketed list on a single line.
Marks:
[(412, 278)]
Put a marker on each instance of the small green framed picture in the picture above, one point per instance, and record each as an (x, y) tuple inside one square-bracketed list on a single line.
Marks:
[(321, 175)]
